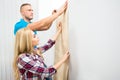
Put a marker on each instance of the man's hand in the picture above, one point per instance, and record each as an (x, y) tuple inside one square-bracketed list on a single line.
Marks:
[(54, 11)]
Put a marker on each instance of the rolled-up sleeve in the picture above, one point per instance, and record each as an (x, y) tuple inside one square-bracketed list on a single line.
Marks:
[(47, 46)]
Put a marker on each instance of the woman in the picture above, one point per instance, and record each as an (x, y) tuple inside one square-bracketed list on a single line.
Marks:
[(28, 61)]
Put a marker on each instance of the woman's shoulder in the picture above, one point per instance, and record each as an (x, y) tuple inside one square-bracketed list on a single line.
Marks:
[(22, 55)]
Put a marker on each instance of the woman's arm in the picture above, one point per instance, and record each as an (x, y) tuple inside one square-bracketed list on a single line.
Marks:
[(45, 23), (47, 46), (25, 61), (51, 42), (59, 26), (65, 58)]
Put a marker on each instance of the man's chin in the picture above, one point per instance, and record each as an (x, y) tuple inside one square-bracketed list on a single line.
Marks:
[(31, 18)]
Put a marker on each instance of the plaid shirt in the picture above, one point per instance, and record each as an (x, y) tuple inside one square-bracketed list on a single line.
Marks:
[(32, 66)]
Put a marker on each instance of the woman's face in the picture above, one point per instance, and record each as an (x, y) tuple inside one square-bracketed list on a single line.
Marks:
[(35, 39)]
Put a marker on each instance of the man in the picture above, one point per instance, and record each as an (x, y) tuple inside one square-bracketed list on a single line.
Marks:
[(44, 24)]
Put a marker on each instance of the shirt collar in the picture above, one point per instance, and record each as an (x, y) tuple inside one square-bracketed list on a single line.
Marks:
[(24, 20)]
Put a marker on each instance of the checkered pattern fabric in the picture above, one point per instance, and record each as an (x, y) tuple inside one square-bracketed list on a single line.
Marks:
[(32, 66)]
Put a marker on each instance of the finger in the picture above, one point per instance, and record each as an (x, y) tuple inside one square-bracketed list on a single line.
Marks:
[(67, 50), (60, 24), (66, 2)]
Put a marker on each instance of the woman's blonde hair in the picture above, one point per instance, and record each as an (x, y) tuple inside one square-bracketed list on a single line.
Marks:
[(23, 44)]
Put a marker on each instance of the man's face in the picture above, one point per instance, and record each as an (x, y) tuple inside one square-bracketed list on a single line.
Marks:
[(27, 12)]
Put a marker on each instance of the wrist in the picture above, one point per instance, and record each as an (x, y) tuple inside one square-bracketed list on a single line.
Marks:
[(59, 31), (63, 60)]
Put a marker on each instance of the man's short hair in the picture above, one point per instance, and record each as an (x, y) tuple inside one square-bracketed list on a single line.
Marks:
[(24, 5)]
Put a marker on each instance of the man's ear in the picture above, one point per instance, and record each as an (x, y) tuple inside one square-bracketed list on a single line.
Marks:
[(22, 13)]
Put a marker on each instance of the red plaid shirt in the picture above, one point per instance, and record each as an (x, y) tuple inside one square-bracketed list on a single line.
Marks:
[(32, 66)]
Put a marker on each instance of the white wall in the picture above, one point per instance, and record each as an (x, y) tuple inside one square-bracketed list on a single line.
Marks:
[(9, 15), (94, 34)]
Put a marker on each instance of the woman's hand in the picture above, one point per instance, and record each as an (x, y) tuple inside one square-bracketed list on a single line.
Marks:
[(66, 56), (63, 7), (59, 26)]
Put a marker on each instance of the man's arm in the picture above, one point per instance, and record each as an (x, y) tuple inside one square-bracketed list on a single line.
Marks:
[(49, 25), (45, 27), (45, 23)]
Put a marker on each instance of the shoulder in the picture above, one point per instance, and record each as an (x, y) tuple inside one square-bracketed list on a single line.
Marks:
[(19, 25), (24, 57), (21, 22), (24, 54)]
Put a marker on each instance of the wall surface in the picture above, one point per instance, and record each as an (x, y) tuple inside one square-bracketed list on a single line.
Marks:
[(9, 15), (94, 34)]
